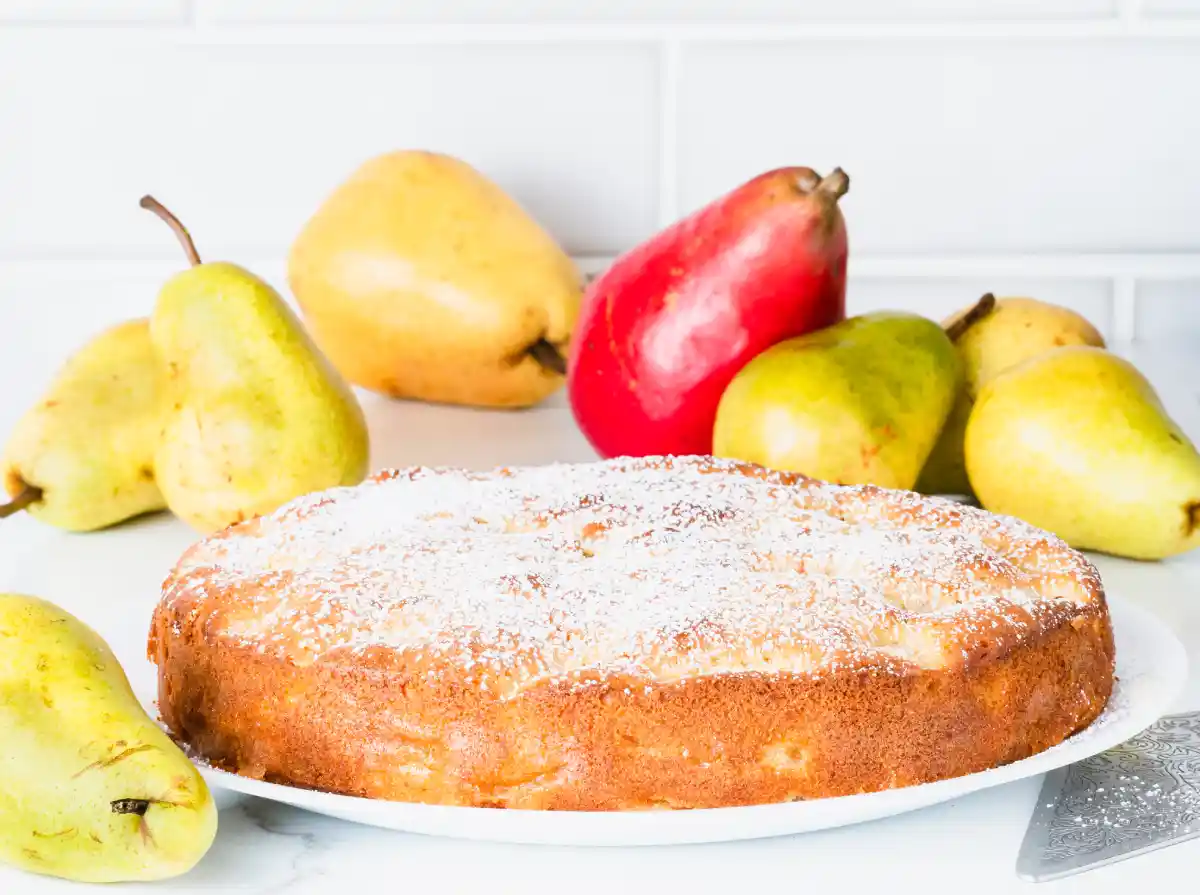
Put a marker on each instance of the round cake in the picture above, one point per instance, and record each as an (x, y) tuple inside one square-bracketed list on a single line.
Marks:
[(628, 634)]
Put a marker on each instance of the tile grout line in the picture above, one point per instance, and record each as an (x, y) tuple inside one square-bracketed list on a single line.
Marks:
[(203, 30), (1125, 309), (1130, 12), (668, 132), (197, 27), (1121, 271)]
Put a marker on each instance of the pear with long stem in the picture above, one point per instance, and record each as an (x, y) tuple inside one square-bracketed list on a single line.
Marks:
[(255, 416)]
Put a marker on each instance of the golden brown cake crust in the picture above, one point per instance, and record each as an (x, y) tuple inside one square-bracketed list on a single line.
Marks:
[(596, 659)]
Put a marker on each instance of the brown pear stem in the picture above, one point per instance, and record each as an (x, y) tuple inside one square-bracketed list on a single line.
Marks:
[(1192, 520), (835, 184), (549, 357), (981, 309), (185, 238), (28, 495), (131, 806)]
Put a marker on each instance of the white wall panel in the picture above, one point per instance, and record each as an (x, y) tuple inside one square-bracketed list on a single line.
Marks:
[(93, 11), (244, 141), (961, 146), (939, 297), (1171, 8), (1049, 141), (1169, 311), (515, 11)]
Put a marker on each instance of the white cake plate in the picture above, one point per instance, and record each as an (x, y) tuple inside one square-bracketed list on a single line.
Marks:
[(1151, 668)]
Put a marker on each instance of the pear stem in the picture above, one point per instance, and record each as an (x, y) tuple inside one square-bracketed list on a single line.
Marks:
[(835, 184), (981, 309), (1192, 522), (29, 494), (549, 357), (131, 806), (185, 238)]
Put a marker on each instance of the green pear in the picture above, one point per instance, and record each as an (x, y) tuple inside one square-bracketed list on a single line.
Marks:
[(858, 402), (82, 458), (256, 416), (91, 788), (991, 336), (1076, 441), (945, 471)]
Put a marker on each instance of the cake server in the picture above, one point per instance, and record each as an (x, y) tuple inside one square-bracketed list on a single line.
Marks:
[(1137, 797)]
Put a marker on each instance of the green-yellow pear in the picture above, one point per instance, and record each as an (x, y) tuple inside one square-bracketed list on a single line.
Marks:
[(420, 278), (82, 458), (255, 415), (1076, 441), (859, 402), (991, 336), (91, 788)]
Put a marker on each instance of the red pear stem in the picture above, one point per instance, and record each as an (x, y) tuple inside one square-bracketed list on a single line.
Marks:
[(185, 238), (981, 309), (548, 356), (28, 495), (835, 184)]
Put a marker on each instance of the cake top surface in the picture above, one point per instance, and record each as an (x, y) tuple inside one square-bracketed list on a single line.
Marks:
[(657, 568)]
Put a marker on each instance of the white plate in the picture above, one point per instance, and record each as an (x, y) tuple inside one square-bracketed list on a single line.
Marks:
[(1151, 667)]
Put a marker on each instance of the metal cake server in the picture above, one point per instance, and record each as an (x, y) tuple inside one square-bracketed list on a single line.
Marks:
[(1137, 797)]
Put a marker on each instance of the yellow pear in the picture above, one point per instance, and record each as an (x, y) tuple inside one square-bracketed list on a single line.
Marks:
[(82, 458), (91, 788), (1076, 441), (858, 402), (991, 336), (255, 415), (422, 279)]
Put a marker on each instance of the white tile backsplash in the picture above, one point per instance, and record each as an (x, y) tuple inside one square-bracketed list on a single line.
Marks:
[(940, 297), (243, 142), (1049, 142), (1169, 311), (93, 11), (961, 146), (1169, 8), (523, 11)]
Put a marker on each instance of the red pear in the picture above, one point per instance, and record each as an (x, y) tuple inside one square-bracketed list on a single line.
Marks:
[(663, 331)]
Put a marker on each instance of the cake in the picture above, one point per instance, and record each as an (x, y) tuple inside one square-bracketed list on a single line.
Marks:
[(626, 634)]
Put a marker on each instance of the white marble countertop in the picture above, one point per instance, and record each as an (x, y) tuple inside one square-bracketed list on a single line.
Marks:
[(111, 580)]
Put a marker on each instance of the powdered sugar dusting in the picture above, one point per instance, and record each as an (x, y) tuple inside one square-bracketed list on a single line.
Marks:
[(671, 567)]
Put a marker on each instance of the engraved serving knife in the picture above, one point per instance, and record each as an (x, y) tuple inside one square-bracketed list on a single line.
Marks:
[(1135, 798)]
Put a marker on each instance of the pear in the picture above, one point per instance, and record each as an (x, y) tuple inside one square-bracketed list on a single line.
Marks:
[(992, 336), (255, 415), (421, 279), (91, 788), (858, 402), (1077, 442), (944, 471), (82, 458)]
